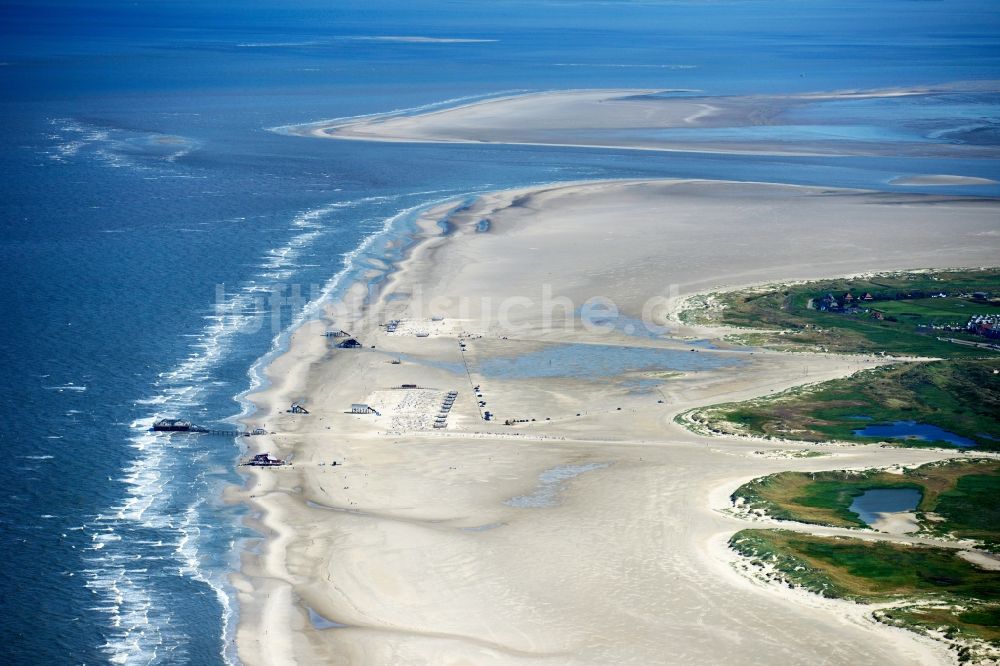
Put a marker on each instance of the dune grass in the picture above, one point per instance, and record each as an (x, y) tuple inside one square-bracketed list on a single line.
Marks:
[(965, 598), (959, 396), (960, 498)]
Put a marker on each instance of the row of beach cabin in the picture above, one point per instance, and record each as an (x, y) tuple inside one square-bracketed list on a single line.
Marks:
[(441, 421)]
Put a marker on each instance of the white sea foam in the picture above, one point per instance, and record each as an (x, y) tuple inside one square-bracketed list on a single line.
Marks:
[(164, 469), (161, 468), (314, 308), (125, 599), (116, 148)]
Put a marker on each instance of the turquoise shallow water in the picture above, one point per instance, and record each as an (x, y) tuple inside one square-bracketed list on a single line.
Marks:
[(159, 242)]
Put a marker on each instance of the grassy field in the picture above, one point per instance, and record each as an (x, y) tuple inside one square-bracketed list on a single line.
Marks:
[(790, 316), (966, 598), (959, 396), (960, 498), (971, 509)]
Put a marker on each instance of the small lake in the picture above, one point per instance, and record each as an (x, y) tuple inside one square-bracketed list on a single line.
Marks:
[(885, 500), (913, 430)]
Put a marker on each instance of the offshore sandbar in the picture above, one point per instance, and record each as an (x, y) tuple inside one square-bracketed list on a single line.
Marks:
[(677, 120)]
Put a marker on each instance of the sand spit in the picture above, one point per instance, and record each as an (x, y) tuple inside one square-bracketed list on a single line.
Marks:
[(942, 179), (648, 120), (419, 545)]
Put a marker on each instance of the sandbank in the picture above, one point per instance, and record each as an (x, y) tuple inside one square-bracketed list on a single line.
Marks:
[(646, 119)]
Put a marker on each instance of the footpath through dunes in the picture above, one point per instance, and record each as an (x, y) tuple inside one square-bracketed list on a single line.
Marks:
[(865, 122), (589, 530)]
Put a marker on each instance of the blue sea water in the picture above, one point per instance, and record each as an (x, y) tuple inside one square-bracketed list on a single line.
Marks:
[(149, 214)]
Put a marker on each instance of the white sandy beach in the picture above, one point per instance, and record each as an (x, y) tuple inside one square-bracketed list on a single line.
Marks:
[(598, 536)]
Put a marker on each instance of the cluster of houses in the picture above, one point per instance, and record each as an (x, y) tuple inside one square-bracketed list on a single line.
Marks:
[(850, 300), (846, 303), (851, 303), (987, 326)]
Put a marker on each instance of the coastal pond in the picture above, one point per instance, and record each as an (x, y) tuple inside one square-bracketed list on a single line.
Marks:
[(913, 430), (588, 361), (875, 503)]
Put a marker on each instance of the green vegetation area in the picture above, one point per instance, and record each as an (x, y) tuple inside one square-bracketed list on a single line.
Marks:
[(905, 315), (963, 598), (946, 316), (959, 393), (960, 498), (959, 396), (971, 509)]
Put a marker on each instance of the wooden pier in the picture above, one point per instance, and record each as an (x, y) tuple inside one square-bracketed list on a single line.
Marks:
[(181, 426)]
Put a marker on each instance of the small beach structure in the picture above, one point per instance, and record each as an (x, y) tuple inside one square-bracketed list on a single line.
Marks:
[(362, 408), (296, 408), (391, 326), (441, 420), (176, 425), (264, 460), (349, 344)]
